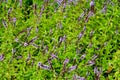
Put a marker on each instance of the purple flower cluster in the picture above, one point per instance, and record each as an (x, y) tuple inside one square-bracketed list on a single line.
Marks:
[(1, 57), (92, 61), (75, 77), (97, 72), (40, 65)]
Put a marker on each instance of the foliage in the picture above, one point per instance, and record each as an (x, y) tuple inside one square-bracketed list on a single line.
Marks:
[(59, 40)]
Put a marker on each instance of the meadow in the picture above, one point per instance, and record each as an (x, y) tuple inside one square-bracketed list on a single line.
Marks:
[(59, 39)]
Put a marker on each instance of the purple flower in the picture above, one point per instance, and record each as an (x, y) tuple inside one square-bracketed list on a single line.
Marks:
[(42, 9), (83, 56), (53, 56), (50, 63), (25, 44), (94, 56), (92, 6), (92, 3), (78, 50), (75, 77), (97, 48), (84, 28), (64, 37), (66, 61), (81, 16), (14, 20), (91, 63), (61, 38), (64, 5), (19, 57), (80, 78), (45, 67), (9, 11), (28, 31), (104, 8), (46, 49), (4, 23), (1, 57), (40, 65), (37, 29), (80, 35), (89, 15), (64, 65), (70, 1), (59, 2), (97, 72), (72, 68), (20, 3)]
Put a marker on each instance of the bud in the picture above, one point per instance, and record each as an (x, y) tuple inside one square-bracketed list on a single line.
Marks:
[(97, 72), (37, 29), (84, 28), (92, 3), (72, 68), (66, 61), (14, 20), (9, 11), (80, 35), (20, 3), (25, 44), (53, 56), (1, 57), (4, 23), (40, 65), (94, 56), (83, 56), (92, 6), (19, 57), (91, 63), (80, 78)]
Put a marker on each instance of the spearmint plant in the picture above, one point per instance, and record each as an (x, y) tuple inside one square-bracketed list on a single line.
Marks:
[(59, 39)]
